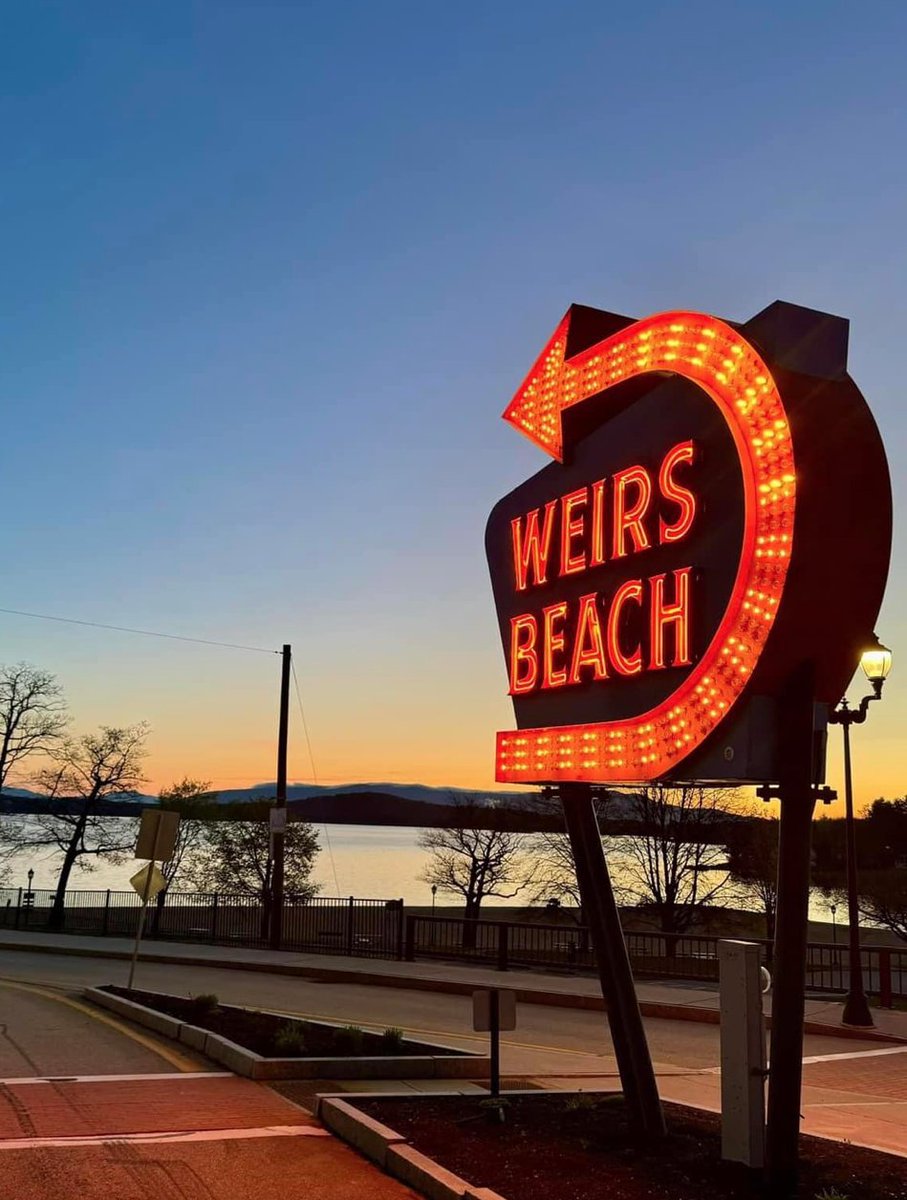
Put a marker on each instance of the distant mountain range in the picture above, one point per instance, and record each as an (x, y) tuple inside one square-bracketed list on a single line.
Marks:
[(411, 804)]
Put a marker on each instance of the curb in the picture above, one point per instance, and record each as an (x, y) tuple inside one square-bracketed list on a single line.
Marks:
[(245, 1062), (452, 987), (391, 1151)]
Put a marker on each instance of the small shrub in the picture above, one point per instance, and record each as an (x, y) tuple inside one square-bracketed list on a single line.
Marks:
[(831, 1194), (349, 1040), (495, 1109), (204, 1005), (392, 1041), (289, 1040)]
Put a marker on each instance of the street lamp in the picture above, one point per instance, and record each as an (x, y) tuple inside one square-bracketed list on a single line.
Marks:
[(434, 892), (834, 926), (876, 663)]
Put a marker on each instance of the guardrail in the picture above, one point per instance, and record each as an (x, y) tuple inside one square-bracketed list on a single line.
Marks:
[(324, 924), (504, 944)]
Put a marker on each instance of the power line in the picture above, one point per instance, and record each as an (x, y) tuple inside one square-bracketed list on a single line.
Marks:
[(173, 637), (308, 742)]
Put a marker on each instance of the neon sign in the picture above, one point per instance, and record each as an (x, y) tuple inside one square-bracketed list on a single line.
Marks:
[(640, 577)]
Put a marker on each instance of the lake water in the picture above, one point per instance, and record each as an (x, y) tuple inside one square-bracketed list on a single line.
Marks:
[(356, 860)]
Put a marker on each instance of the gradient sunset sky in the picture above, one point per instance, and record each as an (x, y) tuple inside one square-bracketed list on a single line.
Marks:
[(272, 271)]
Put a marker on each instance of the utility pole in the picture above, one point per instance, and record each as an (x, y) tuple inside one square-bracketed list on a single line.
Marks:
[(279, 811)]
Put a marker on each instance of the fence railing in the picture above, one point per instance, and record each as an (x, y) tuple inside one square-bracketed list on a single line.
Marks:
[(325, 924), (379, 929), (504, 944)]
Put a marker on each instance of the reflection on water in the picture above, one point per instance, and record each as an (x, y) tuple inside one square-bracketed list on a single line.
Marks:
[(355, 860)]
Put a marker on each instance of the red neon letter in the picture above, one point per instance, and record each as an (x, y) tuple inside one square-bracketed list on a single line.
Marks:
[(677, 614), (625, 664), (589, 650), (572, 527), (523, 635), (681, 496), (534, 550), (554, 641), (628, 517), (598, 524)]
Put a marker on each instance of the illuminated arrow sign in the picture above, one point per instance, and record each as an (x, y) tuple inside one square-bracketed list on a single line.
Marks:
[(640, 578)]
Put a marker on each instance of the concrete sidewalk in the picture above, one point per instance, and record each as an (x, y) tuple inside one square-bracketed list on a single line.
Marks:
[(669, 999)]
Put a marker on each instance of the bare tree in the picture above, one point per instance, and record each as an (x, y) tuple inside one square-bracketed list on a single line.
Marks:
[(235, 857), (32, 715), (753, 850), (554, 871), (668, 864), (883, 899), (193, 800), (475, 863), (86, 772)]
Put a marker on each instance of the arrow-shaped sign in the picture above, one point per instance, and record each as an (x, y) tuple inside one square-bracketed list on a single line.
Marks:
[(730, 370), (696, 346)]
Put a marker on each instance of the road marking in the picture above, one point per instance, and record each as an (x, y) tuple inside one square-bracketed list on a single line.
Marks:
[(180, 1061), (823, 1058), (181, 1075), (202, 1135), (460, 1037)]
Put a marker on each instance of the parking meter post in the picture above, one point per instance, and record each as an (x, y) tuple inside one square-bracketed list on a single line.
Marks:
[(494, 1007)]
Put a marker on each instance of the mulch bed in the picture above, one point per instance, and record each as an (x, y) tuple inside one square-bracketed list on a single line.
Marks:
[(264, 1033), (578, 1147)]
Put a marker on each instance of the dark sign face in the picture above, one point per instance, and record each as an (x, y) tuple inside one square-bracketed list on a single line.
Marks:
[(640, 581)]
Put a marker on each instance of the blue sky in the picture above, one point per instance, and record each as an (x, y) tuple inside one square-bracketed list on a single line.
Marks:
[(272, 272)]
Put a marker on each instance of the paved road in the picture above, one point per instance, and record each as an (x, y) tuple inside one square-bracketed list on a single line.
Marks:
[(852, 1088), (547, 1041)]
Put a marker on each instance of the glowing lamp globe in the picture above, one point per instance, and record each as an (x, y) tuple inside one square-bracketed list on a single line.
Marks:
[(876, 663)]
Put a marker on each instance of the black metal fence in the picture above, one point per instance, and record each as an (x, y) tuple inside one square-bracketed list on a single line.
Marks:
[(379, 929), (327, 925), (503, 944)]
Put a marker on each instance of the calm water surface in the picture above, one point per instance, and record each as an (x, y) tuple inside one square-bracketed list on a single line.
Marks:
[(355, 860)]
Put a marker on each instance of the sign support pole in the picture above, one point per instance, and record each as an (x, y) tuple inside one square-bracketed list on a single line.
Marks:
[(145, 895), (603, 920), (798, 801), (494, 1012), (278, 835)]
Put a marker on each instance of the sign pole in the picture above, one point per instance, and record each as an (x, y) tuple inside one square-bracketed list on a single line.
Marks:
[(494, 1010), (145, 894), (603, 920), (278, 832), (798, 801)]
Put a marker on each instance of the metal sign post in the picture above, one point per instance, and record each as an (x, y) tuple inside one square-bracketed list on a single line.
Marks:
[(628, 1034), (156, 841), (494, 1009)]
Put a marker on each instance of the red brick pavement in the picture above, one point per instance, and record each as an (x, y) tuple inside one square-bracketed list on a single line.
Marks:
[(884, 1076)]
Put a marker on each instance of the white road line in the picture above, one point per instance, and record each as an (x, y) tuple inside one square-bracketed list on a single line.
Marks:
[(203, 1135), (821, 1058), (181, 1075)]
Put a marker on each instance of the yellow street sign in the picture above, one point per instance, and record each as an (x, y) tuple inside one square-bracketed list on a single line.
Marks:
[(140, 878)]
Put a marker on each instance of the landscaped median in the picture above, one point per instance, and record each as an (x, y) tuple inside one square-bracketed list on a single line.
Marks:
[(580, 1146), (261, 1044)]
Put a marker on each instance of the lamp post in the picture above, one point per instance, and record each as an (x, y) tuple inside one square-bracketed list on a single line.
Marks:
[(434, 892), (876, 663), (834, 925)]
